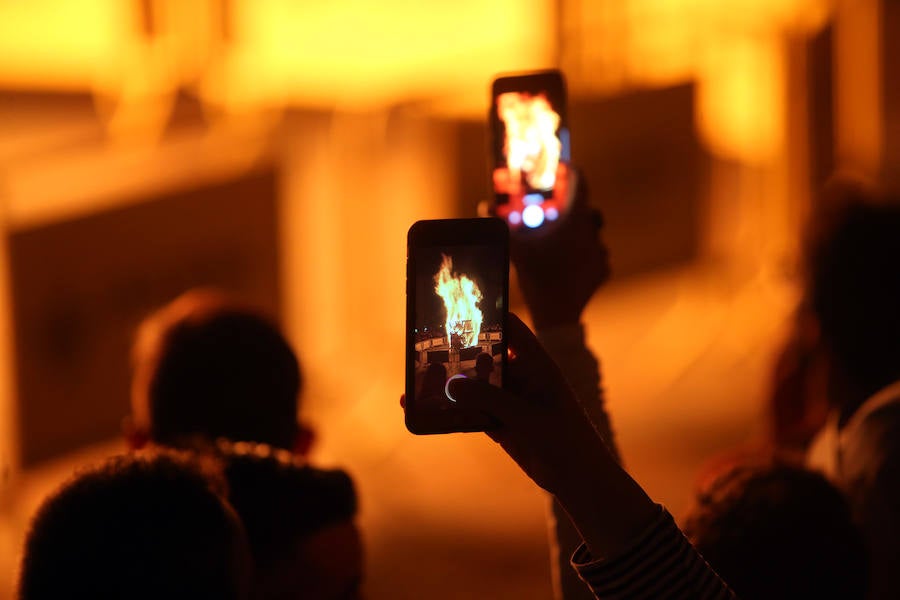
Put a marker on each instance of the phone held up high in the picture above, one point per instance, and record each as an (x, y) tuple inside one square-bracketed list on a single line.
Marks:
[(457, 292), (531, 152)]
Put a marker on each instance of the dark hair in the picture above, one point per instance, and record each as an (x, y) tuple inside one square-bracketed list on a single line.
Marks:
[(854, 287), (776, 531), (205, 365), (282, 503), (141, 527)]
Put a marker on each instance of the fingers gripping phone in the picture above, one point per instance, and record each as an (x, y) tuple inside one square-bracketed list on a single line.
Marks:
[(457, 292), (530, 149)]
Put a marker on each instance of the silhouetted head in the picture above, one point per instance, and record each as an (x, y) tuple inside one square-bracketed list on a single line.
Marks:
[(207, 366), (484, 366), (140, 527), (854, 283), (435, 379), (300, 524), (778, 532)]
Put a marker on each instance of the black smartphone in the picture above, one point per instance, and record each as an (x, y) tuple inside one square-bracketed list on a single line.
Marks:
[(457, 292), (531, 150)]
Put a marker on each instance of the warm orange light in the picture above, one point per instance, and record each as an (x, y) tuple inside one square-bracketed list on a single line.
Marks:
[(531, 146), (461, 297), (359, 55), (741, 98), (731, 49)]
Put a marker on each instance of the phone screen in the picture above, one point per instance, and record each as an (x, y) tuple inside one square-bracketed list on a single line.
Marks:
[(458, 302), (531, 149)]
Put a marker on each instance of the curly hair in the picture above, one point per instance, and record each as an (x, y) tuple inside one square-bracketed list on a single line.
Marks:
[(144, 526), (777, 531)]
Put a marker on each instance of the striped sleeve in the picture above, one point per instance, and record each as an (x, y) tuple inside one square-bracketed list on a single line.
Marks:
[(660, 564)]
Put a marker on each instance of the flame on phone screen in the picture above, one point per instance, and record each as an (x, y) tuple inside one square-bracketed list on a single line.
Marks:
[(531, 145), (461, 297)]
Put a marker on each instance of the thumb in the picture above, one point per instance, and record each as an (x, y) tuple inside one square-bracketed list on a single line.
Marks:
[(472, 394)]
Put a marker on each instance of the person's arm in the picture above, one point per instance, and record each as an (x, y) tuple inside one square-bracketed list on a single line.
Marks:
[(567, 346), (660, 563), (558, 272), (547, 432)]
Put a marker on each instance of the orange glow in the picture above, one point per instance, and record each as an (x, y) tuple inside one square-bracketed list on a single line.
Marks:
[(461, 297), (271, 53), (741, 98), (334, 53), (531, 146), (62, 44), (731, 49)]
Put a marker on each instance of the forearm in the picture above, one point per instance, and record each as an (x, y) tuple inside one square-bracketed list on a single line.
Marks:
[(632, 546), (659, 562), (567, 346), (605, 504)]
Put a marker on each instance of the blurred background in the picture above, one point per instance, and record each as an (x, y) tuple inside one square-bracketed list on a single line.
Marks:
[(280, 149)]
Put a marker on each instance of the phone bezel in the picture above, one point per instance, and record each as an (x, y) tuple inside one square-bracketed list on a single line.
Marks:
[(449, 232)]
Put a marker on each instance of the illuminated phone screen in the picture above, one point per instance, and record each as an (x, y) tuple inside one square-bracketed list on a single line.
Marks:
[(459, 310), (531, 149)]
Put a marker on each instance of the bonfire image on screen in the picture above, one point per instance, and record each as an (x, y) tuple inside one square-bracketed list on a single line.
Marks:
[(458, 331), (533, 175)]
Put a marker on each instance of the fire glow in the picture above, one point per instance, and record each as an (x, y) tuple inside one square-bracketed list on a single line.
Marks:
[(531, 146), (461, 297)]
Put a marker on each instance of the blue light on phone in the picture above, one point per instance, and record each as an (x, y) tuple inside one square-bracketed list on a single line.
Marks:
[(514, 218), (552, 214), (565, 153), (533, 216), (530, 199)]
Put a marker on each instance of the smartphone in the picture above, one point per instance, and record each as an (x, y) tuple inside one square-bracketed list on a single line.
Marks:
[(531, 150), (457, 293)]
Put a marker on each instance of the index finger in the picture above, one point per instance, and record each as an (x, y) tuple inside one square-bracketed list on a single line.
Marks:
[(475, 395)]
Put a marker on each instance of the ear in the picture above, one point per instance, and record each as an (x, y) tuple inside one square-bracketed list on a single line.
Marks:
[(136, 437), (303, 440)]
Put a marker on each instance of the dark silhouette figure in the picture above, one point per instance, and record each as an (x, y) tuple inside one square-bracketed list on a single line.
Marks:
[(299, 522), (207, 366), (854, 291), (776, 531), (432, 390), (484, 366), (211, 373), (138, 527)]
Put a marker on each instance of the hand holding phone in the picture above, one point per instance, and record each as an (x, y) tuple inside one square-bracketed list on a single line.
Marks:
[(559, 272), (456, 301)]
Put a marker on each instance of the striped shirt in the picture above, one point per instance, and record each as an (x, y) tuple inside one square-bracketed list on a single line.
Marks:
[(660, 564)]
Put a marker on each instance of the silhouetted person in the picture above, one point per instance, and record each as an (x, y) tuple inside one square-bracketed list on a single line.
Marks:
[(776, 531), (854, 290), (484, 366), (205, 365), (138, 527), (208, 371), (432, 390), (299, 522)]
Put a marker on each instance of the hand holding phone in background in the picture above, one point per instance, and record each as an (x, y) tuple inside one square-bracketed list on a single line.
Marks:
[(559, 272)]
